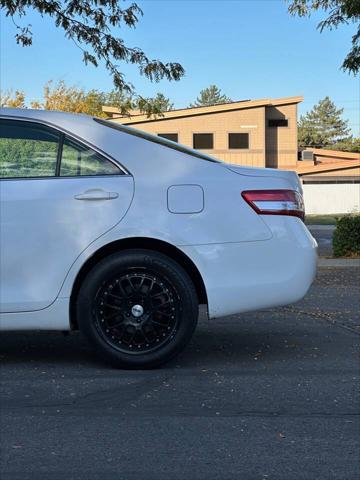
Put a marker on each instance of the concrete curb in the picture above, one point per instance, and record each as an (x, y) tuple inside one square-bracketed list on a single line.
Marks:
[(321, 227), (339, 262)]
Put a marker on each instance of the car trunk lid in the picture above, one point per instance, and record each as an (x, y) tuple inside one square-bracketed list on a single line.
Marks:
[(291, 177)]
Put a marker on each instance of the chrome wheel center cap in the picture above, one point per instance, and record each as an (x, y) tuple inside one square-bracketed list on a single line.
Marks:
[(137, 311)]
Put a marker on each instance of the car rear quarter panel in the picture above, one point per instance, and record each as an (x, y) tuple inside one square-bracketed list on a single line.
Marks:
[(238, 253)]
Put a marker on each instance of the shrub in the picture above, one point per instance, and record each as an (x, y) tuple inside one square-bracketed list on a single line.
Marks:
[(346, 240)]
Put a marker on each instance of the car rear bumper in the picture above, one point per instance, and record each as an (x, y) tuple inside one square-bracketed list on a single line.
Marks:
[(247, 276)]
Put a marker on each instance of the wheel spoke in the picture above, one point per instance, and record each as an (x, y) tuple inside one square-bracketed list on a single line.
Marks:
[(115, 325), (157, 294), (151, 287), (129, 280), (115, 307), (141, 284), (146, 338), (156, 322), (109, 317), (114, 296)]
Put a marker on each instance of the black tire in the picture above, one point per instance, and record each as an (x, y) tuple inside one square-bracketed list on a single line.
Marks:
[(137, 308)]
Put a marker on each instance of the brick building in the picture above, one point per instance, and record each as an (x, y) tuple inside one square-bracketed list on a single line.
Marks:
[(258, 133)]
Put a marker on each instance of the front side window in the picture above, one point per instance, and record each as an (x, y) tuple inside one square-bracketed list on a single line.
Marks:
[(203, 141), (239, 141), (79, 160), (27, 150)]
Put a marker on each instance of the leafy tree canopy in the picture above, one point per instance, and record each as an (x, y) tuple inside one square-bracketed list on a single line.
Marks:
[(323, 126), (88, 24), (339, 12), (210, 96), (351, 144), (12, 99), (59, 96), (158, 104)]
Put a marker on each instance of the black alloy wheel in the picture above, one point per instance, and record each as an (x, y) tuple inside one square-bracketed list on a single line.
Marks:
[(137, 308)]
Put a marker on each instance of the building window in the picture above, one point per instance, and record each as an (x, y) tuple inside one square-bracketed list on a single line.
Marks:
[(278, 122), (203, 141), (239, 141), (169, 136)]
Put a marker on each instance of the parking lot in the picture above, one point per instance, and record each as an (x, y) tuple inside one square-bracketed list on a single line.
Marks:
[(266, 395)]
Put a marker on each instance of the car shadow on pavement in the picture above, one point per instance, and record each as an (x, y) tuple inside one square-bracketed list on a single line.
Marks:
[(216, 344)]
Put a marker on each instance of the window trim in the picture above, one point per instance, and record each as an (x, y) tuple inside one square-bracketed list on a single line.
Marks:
[(239, 149), (59, 156), (206, 133), (62, 132)]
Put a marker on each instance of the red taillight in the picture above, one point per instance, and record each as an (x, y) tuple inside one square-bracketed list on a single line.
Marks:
[(275, 202)]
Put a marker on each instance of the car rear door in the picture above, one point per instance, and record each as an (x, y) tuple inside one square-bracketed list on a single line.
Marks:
[(57, 196)]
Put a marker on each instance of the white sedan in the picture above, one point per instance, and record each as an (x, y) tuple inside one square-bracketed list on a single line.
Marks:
[(122, 235)]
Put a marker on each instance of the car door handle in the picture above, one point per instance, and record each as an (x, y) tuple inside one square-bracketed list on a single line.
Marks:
[(96, 194)]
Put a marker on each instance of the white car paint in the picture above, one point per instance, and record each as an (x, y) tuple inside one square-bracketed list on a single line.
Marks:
[(247, 261)]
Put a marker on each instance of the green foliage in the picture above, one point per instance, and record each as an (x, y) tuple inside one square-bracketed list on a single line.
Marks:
[(80, 160), (322, 126), (89, 24), (22, 158), (351, 144), (346, 240), (37, 158), (155, 106), (320, 220), (118, 99), (211, 95), (340, 12)]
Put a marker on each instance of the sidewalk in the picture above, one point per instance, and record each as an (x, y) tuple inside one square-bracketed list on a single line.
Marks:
[(321, 227), (338, 262)]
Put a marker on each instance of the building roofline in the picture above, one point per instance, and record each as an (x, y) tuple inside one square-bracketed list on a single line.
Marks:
[(303, 169), (322, 152), (193, 111)]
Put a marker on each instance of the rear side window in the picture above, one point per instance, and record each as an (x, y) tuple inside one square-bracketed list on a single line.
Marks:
[(78, 160), (27, 150)]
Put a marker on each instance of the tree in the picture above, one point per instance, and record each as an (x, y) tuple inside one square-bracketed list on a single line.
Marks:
[(119, 99), (340, 12), (322, 126), (12, 100), (59, 96), (210, 96), (351, 144), (65, 98), (87, 23), (155, 106)]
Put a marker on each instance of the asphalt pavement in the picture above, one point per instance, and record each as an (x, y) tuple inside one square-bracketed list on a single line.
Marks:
[(264, 395), (323, 235)]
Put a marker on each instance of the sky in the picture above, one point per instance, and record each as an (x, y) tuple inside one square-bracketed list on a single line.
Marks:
[(251, 49)]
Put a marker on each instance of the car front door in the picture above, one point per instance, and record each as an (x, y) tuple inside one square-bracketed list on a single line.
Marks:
[(57, 196)]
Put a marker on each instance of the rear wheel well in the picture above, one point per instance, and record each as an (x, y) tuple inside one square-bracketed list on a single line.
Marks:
[(139, 242)]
